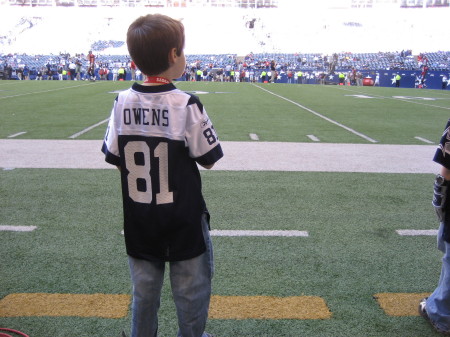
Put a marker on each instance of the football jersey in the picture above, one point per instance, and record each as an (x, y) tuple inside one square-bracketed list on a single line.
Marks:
[(156, 134), (442, 155)]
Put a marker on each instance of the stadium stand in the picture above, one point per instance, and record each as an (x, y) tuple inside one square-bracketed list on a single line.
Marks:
[(31, 35)]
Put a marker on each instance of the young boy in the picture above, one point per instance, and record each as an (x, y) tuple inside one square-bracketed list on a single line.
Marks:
[(156, 136)]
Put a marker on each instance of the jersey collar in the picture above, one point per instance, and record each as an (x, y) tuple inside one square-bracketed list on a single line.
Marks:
[(153, 88)]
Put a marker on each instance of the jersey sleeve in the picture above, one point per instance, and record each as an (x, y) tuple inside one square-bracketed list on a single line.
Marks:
[(201, 137), (111, 141), (442, 155)]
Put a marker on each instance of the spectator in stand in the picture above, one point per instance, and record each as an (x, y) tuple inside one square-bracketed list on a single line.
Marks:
[(115, 73), (263, 76), (121, 74), (39, 74), (273, 72), (19, 73), (49, 73), (133, 70), (252, 75), (101, 73), (72, 70), (198, 76), (77, 70), (26, 73), (397, 80), (289, 76)]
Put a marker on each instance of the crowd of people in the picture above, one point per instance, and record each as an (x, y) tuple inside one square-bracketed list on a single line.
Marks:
[(297, 68)]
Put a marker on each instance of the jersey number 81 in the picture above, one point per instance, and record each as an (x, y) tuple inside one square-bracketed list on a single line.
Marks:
[(141, 172)]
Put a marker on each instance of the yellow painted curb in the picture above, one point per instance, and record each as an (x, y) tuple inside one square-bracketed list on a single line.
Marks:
[(268, 307), (400, 304), (80, 305)]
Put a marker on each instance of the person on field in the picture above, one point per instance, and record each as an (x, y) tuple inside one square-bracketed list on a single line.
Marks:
[(436, 307), (157, 134)]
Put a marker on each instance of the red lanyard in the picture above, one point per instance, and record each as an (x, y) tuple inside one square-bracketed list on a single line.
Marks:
[(156, 79)]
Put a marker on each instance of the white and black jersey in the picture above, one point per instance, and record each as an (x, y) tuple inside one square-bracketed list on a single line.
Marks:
[(156, 134), (442, 155)]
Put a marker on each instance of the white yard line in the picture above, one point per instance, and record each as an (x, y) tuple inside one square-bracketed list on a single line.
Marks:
[(397, 98), (417, 232), (359, 134), (17, 134), (256, 233), (40, 92), (17, 228), (268, 233), (313, 138), (88, 129), (424, 140)]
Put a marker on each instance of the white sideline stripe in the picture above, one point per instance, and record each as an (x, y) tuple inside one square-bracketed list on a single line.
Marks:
[(40, 92), (313, 138), (321, 116), (253, 136), (398, 98), (17, 134), (417, 232), (275, 233), (424, 140), (231, 233), (88, 129), (17, 228)]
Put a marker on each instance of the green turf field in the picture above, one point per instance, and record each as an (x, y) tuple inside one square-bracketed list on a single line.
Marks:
[(351, 254)]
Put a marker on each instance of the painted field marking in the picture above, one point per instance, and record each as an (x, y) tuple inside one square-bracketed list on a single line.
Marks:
[(360, 96), (268, 307), (117, 306), (247, 233), (40, 92), (417, 232), (88, 129), (272, 233), (17, 228), (399, 98), (56, 305), (253, 136), (400, 304), (313, 138), (424, 140), (17, 134), (359, 134)]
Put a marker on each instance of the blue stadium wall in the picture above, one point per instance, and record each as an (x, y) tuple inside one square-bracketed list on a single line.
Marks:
[(409, 79)]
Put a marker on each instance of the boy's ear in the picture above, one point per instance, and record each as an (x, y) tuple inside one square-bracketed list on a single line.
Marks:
[(173, 55)]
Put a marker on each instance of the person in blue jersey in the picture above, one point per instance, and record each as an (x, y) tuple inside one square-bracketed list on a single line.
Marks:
[(156, 136), (436, 307)]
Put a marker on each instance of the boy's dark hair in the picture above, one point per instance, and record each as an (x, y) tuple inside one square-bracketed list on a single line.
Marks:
[(150, 38)]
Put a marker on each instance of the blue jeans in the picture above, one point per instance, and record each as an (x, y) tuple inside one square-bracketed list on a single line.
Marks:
[(191, 288), (438, 304)]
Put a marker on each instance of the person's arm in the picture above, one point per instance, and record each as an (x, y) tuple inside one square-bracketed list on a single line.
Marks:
[(440, 193), (445, 172)]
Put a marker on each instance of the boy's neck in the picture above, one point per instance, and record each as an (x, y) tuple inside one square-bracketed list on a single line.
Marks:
[(156, 80)]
